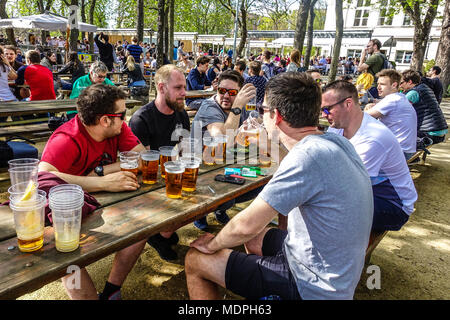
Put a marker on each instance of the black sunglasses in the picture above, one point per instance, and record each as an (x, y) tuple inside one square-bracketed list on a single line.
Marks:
[(119, 114), (327, 109)]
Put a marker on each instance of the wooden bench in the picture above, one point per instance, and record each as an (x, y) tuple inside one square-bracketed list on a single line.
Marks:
[(64, 94), (23, 129), (419, 154)]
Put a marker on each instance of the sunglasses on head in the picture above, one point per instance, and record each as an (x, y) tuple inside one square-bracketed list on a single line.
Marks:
[(119, 114), (231, 92)]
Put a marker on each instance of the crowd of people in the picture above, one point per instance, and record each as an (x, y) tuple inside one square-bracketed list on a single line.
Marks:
[(360, 161)]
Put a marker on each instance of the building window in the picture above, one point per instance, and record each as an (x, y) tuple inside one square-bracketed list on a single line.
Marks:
[(407, 20), (403, 56), (361, 17), (386, 13), (363, 3), (355, 53)]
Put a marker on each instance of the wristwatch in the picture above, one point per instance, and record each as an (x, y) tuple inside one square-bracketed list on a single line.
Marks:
[(236, 111), (99, 171)]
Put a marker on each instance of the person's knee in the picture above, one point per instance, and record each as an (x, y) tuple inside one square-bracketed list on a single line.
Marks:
[(191, 261)]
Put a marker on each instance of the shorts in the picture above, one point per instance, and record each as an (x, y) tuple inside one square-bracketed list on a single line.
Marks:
[(387, 216), (254, 277)]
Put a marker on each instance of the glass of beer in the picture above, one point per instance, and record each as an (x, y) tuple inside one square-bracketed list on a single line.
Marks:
[(265, 159), (150, 163), (247, 136), (220, 150), (129, 161), (166, 153), (189, 146), (190, 174), (174, 176), (209, 146), (29, 218), (251, 105)]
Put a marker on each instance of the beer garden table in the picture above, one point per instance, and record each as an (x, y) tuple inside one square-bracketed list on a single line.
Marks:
[(123, 219)]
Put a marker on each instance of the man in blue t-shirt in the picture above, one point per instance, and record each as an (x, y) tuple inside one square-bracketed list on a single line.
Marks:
[(321, 254), (135, 50)]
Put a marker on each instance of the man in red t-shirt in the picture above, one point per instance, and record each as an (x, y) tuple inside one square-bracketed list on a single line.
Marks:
[(83, 151), (39, 78)]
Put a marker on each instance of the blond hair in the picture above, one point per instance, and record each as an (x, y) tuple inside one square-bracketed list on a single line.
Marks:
[(130, 63), (163, 73)]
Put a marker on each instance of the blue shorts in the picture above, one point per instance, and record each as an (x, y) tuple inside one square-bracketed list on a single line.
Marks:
[(387, 215), (253, 277)]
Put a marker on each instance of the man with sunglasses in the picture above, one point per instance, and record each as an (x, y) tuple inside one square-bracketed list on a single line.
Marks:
[(223, 112), (83, 151), (97, 74), (394, 193), (321, 254)]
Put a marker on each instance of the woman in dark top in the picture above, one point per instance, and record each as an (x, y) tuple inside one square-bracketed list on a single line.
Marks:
[(134, 72), (75, 67), (214, 71)]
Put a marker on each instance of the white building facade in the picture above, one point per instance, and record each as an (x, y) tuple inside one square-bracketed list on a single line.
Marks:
[(373, 16)]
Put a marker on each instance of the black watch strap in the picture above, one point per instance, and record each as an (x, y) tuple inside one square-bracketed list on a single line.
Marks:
[(99, 171), (236, 111)]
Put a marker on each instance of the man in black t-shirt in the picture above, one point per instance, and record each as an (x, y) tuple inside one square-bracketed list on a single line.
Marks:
[(154, 124)]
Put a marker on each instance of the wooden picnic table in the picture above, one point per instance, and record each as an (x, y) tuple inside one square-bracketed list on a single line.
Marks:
[(127, 218), (18, 108), (199, 94)]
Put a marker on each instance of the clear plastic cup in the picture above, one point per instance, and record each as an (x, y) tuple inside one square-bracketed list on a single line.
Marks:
[(167, 153), (66, 202), (190, 145), (29, 221), (174, 175), (190, 174), (24, 162), (209, 146), (129, 161), (220, 150), (23, 191), (150, 163), (23, 174)]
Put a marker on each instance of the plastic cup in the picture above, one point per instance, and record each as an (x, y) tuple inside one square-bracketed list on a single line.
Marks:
[(24, 162), (190, 174), (129, 161), (209, 146), (23, 174), (29, 221), (66, 202), (220, 150), (189, 145), (23, 190), (174, 176), (150, 163), (167, 153)]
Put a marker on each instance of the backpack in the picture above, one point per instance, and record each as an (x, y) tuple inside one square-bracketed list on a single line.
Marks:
[(15, 150), (386, 63)]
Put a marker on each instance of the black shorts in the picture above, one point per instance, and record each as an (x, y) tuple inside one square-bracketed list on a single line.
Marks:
[(253, 277)]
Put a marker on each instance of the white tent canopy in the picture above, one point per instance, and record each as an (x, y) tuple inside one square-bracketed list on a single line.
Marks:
[(45, 21)]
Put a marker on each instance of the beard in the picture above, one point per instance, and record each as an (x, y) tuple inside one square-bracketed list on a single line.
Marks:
[(174, 104)]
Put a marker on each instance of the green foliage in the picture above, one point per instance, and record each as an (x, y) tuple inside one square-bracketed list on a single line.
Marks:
[(428, 65)]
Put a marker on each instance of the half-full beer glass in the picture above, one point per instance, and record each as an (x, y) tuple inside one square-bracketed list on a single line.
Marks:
[(150, 164), (129, 161), (174, 176), (209, 146), (190, 174), (166, 153), (220, 150)]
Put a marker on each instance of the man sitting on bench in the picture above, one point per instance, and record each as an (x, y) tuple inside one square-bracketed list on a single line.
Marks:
[(83, 151), (393, 189)]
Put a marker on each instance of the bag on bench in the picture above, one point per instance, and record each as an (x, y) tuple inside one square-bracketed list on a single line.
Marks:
[(55, 122), (16, 150), (139, 91)]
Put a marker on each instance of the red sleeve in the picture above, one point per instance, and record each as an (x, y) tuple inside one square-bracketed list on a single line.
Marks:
[(63, 161), (127, 139)]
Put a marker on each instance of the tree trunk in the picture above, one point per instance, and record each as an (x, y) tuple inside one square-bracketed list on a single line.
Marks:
[(9, 32), (140, 20), (74, 33), (310, 33), (337, 41), (443, 53), (91, 21), (166, 28), (300, 29), (83, 17), (243, 40), (171, 29), (160, 43)]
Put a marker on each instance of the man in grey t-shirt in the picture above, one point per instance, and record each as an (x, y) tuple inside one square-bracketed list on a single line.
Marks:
[(323, 188)]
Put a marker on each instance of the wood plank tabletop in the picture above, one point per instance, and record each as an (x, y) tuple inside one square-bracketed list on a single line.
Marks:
[(199, 94), (113, 228)]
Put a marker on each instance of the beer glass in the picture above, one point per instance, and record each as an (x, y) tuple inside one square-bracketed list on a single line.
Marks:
[(264, 150), (150, 163), (251, 105), (24, 162), (246, 136), (190, 174), (167, 153), (189, 146), (209, 145), (19, 174), (174, 176), (29, 217), (129, 161), (220, 150)]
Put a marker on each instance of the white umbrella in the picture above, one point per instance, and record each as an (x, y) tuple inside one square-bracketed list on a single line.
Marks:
[(45, 21)]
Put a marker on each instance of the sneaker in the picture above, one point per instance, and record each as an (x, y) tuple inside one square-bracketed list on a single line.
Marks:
[(222, 217), (201, 223), (162, 246)]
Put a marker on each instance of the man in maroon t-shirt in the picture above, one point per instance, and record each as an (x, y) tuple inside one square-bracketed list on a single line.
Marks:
[(83, 151), (39, 78)]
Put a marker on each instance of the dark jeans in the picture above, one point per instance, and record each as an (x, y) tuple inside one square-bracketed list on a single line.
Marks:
[(195, 105)]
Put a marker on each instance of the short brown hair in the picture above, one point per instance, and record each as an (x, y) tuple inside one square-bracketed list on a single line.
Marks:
[(412, 75), (376, 42), (394, 76), (11, 47), (295, 56), (241, 65), (232, 75), (33, 56), (343, 89), (203, 60), (297, 98), (97, 100), (255, 67)]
